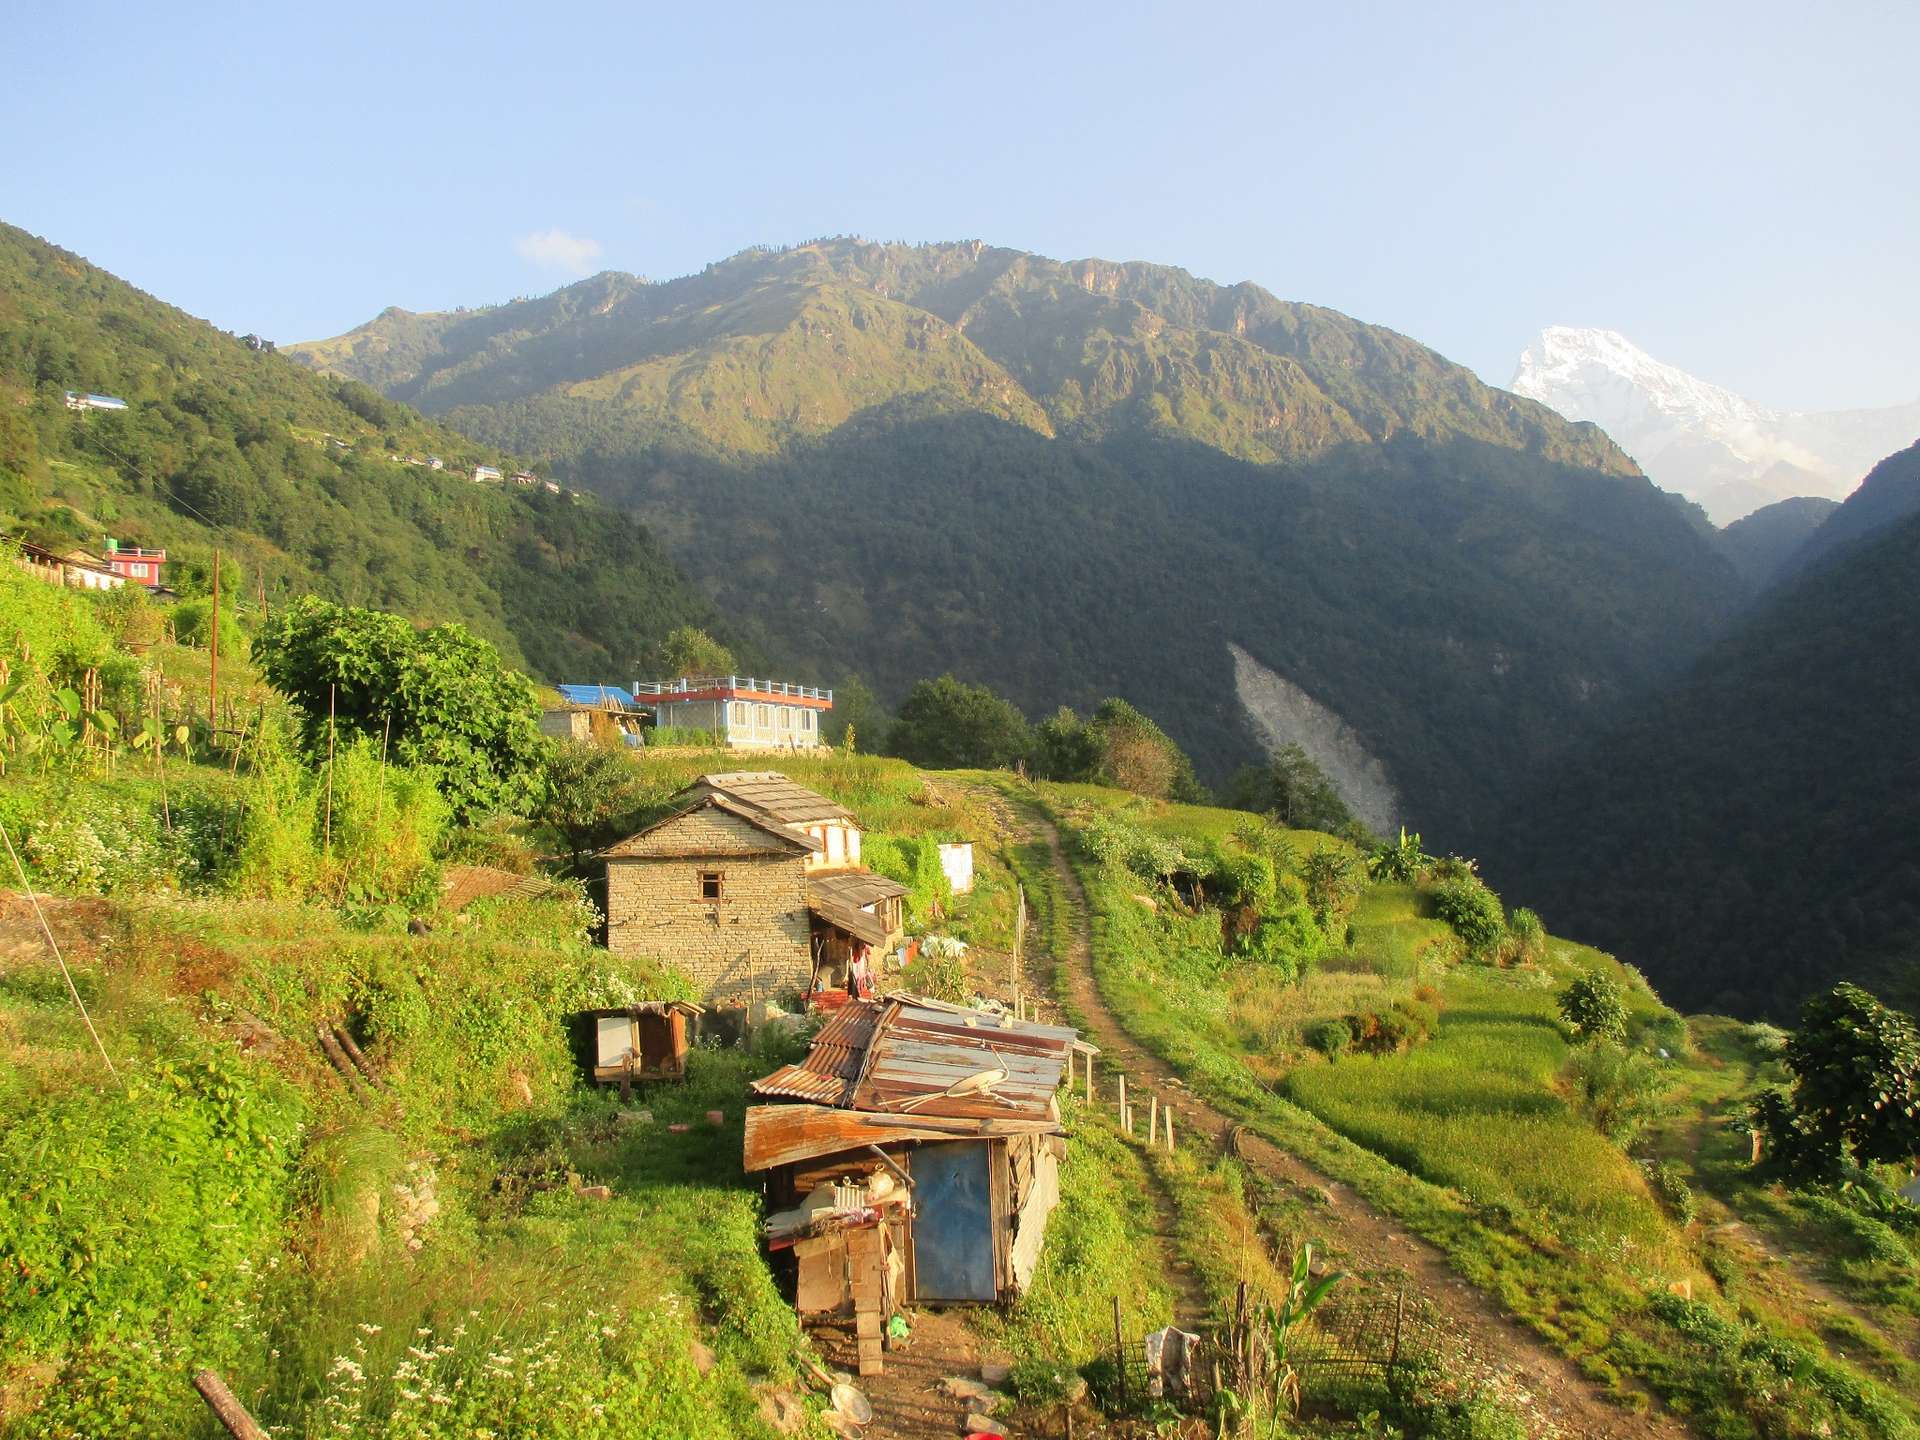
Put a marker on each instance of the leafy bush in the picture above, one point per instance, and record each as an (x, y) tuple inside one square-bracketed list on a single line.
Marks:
[(1400, 862), (192, 625), (438, 698), (1769, 1042), (1595, 1007), (1332, 1038), (913, 860), (686, 736), (1472, 910)]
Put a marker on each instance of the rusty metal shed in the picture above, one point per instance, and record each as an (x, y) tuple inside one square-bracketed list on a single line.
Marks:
[(912, 1157)]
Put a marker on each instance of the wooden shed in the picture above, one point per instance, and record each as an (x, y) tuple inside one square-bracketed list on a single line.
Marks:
[(911, 1158), (646, 1041)]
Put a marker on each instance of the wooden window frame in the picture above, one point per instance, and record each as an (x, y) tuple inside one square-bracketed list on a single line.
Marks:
[(718, 880)]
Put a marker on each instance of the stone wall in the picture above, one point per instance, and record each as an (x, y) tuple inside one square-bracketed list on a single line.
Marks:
[(751, 944)]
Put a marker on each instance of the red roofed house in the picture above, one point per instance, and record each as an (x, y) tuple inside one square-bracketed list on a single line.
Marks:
[(748, 713)]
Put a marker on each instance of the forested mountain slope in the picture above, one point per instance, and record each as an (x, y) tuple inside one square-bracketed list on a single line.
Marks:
[(1077, 479), (224, 444), (1747, 838), (1761, 543), (1889, 494)]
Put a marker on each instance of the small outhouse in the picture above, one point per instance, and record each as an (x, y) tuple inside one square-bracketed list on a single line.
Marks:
[(645, 1041)]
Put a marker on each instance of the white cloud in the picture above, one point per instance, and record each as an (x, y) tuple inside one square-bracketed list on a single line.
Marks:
[(555, 249)]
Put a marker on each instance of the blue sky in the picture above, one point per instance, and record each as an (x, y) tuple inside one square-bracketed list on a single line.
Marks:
[(1733, 186)]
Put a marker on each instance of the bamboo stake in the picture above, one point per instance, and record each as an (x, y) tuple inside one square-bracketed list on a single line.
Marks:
[(1089, 1079), (1153, 1119), (327, 841), (1169, 1131), (213, 652), (1123, 1102)]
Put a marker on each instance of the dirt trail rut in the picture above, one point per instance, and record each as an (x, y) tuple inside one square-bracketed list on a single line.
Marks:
[(1558, 1399)]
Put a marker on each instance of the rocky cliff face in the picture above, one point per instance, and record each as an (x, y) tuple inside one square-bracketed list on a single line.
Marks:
[(1699, 439)]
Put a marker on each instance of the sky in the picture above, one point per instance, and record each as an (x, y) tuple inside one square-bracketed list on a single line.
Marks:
[(1731, 186)]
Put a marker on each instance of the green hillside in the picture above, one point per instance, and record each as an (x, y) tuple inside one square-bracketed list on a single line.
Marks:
[(449, 1232), (293, 476), (1071, 480), (1760, 544), (1745, 836)]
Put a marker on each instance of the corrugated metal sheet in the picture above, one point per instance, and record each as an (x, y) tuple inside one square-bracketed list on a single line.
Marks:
[(904, 1056), (597, 696)]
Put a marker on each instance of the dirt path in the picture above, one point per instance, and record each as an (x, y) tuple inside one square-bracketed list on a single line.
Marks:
[(1558, 1400), (910, 1401)]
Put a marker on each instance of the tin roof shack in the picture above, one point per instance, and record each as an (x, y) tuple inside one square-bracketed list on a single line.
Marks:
[(752, 888), (646, 1041), (911, 1158)]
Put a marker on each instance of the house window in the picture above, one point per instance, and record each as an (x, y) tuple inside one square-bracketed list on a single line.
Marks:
[(712, 884), (806, 720), (786, 718), (764, 720), (739, 712)]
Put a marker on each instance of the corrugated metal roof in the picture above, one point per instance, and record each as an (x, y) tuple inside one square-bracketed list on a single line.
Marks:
[(906, 1056), (598, 696), (833, 1063)]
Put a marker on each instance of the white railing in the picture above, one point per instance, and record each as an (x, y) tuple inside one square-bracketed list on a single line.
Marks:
[(701, 684)]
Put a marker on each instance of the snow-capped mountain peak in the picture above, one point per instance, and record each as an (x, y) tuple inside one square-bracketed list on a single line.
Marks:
[(1701, 439)]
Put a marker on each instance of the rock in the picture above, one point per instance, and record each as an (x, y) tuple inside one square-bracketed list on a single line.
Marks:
[(716, 1118), (595, 1192), (995, 1373), (961, 1387), (976, 1424), (703, 1358)]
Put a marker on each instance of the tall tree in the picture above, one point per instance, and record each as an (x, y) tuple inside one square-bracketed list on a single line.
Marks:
[(439, 698), (692, 651), (945, 724)]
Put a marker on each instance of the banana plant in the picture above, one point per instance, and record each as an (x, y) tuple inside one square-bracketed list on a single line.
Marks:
[(1304, 1294)]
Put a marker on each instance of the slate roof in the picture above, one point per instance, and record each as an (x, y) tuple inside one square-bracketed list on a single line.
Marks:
[(773, 794), (789, 838)]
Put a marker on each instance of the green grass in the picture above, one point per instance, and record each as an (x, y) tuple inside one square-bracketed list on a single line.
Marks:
[(1467, 1142)]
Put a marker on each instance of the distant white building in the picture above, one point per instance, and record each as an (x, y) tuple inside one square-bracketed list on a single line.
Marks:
[(744, 712), (434, 462), (485, 472), (79, 400)]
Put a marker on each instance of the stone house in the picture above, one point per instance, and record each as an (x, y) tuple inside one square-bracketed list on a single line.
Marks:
[(753, 888)]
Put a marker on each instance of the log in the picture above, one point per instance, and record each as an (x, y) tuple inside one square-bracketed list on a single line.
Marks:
[(353, 1054), (342, 1064), (227, 1407)]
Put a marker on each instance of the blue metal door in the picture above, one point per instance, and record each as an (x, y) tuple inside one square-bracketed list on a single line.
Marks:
[(952, 1222)]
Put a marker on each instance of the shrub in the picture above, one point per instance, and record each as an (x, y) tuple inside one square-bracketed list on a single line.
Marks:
[(1769, 1042), (1472, 910), (387, 819), (913, 860), (1402, 862), (1593, 1005), (1674, 1191), (1332, 1038), (1529, 935), (1620, 1089)]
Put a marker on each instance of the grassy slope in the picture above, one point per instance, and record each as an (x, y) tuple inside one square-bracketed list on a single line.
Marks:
[(1468, 1140)]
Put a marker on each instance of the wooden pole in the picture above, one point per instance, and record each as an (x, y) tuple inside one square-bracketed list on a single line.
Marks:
[(1123, 1102), (227, 1408), (1089, 1079), (213, 651), (327, 838), (1153, 1119), (1119, 1354), (1169, 1130), (342, 1064)]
